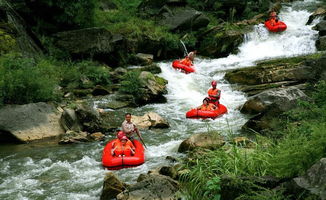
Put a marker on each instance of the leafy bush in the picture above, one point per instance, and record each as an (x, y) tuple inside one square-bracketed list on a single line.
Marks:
[(51, 16), (131, 84), (84, 74), (23, 80)]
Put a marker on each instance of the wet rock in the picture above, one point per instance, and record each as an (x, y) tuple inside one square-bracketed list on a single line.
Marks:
[(112, 186), (100, 90), (321, 27), (116, 101), (283, 99), (269, 105), (69, 120), (114, 104), (98, 136), (271, 72), (96, 42), (208, 141), (184, 19), (153, 88), (152, 187), (318, 13), (74, 137), (89, 118), (141, 59), (315, 179), (169, 171), (321, 43), (29, 122), (150, 120), (220, 41), (153, 68)]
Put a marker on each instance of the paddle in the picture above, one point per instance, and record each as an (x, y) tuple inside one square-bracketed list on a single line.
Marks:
[(184, 47), (140, 137)]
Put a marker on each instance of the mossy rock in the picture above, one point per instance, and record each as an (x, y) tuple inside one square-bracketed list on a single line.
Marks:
[(7, 42)]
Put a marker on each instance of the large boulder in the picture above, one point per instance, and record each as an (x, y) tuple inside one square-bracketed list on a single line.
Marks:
[(112, 186), (29, 122), (271, 72), (184, 19), (74, 137), (221, 40), (153, 88), (283, 99), (69, 120), (315, 179), (268, 106), (89, 118), (318, 13), (154, 187), (202, 140), (98, 43), (321, 43), (321, 27), (150, 120), (277, 73)]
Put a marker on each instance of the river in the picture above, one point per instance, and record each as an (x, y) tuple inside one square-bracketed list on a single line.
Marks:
[(52, 171)]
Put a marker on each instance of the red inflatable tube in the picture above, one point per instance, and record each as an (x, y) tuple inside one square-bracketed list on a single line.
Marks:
[(115, 163), (184, 68), (278, 27), (196, 114)]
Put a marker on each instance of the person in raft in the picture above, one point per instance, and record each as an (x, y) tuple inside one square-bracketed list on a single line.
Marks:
[(214, 94), (273, 18), (129, 128), (122, 146), (189, 59), (207, 106)]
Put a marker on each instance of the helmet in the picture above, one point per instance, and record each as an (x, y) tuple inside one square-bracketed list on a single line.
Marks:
[(124, 138), (214, 83), (120, 135)]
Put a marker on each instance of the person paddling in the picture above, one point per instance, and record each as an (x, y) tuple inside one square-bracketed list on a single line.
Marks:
[(189, 59), (273, 18), (130, 128), (214, 94)]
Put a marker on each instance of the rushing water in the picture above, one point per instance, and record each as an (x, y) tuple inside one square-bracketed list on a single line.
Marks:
[(51, 171)]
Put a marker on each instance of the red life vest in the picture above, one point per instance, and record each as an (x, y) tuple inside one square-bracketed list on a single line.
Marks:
[(186, 61), (120, 149), (213, 92)]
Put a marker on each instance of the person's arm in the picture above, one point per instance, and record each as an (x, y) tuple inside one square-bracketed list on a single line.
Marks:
[(217, 96)]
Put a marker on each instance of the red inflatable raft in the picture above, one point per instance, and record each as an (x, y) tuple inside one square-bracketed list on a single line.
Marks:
[(114, 162), (184, 68), (196, 114), (278, 27)]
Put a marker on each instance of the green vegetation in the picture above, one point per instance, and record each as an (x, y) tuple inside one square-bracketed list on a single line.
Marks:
[(25, 80), (302, 144), (131, 84), (51, 16)]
